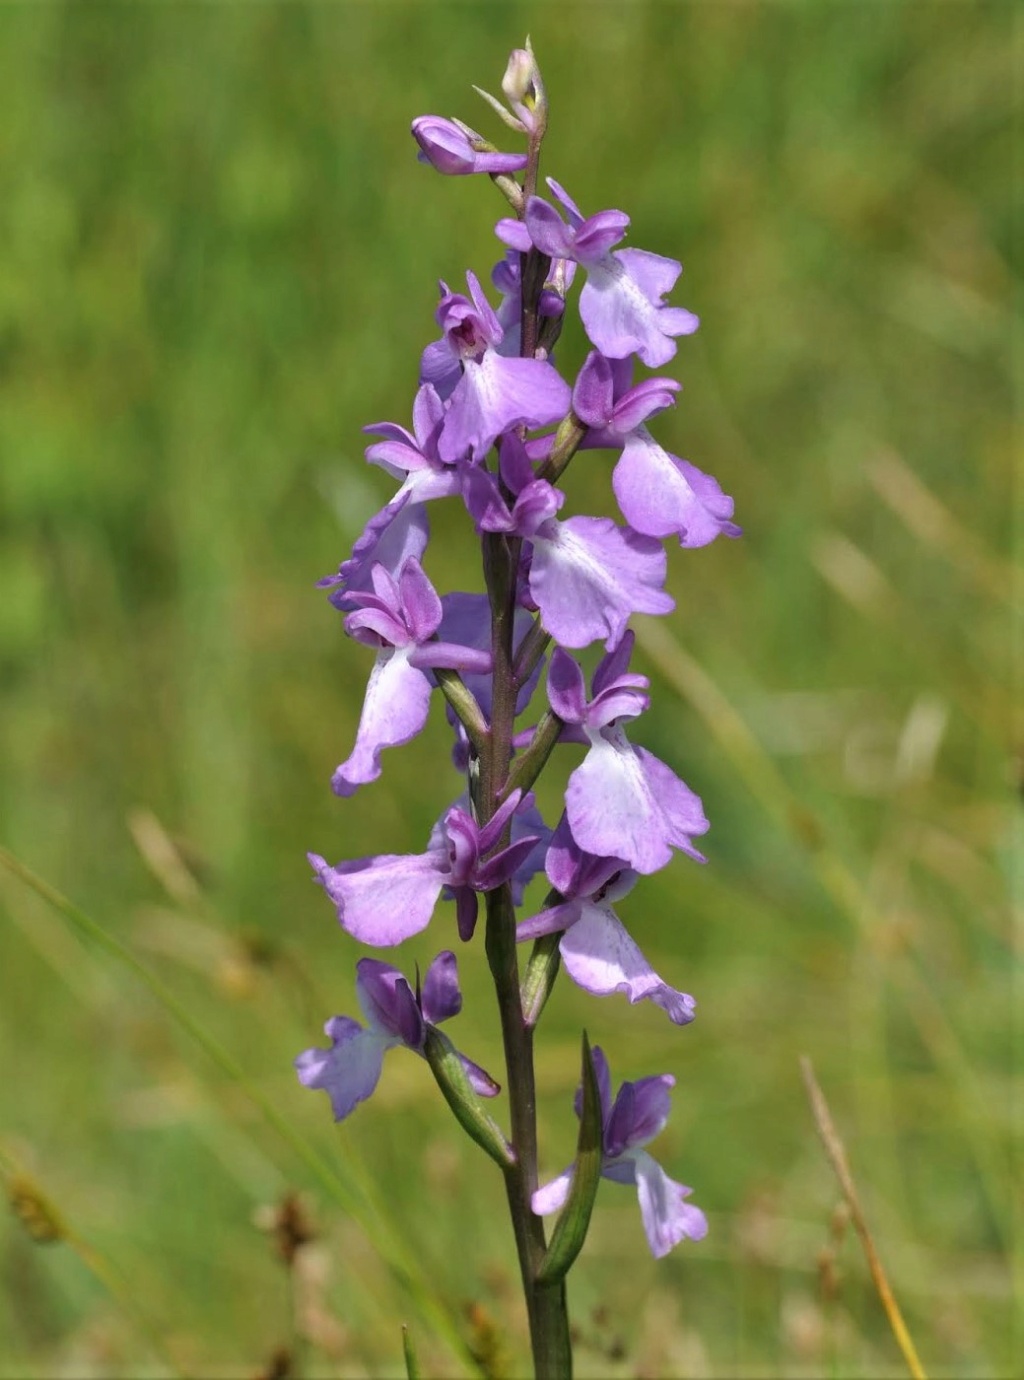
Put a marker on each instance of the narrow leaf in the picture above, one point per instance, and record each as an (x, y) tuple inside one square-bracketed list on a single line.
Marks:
[(412, 1365), (571, 1228)]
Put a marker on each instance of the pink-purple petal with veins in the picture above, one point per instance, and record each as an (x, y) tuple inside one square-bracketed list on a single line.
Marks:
[(601, 957), (350, 1070), (385, 899), (395, 709)]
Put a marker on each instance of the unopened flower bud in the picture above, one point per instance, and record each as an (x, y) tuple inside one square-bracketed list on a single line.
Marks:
[(453, 148), (524, 89), (517, 82)]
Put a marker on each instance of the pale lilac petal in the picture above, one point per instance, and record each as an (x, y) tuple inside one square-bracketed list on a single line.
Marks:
[(550, 1197), (622, 700), (588, 576), (600, 957), (680, 806), (494, 394), (643, 401), (598, 234), (394, 711), (661, 495), (667, 1217), (624, 802), (516, 235), (621, 309), (677, 320), (383, 900), (654, 274), (398, 531), (349, 1071)]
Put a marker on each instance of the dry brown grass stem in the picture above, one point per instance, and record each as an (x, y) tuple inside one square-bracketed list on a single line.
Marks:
[(837, 1156)]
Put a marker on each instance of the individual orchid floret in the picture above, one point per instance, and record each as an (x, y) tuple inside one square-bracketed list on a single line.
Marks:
[(385, 899), (587, 576), (395, 1015), (596, 948), (528, 828), (659, 494), (412, 456), (621, 303), (621, 801), (398, 531), (638, 1114), (487, 393), (451, 147), (399, 618)]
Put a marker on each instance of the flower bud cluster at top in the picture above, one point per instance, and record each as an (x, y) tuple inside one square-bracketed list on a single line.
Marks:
[(494, 425)]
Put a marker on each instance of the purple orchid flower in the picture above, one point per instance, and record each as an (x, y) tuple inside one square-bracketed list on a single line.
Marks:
[(527, 827), (638, 1114), (586, 575), (398, 531), (448, 146), (350, 1070), (384, 899), (487, 393), (399, 618), (659, 494), (598, 952), (621, 801), (621, 303), (412, 457)]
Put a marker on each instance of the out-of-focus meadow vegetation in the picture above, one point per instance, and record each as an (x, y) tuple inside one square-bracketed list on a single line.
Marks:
[(218, 260)]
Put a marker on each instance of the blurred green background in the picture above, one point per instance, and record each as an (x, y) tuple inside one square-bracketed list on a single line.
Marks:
[(218, 260)]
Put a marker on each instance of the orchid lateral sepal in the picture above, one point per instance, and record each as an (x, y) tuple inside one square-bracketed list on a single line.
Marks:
[(571, 1228), (451, 1078)]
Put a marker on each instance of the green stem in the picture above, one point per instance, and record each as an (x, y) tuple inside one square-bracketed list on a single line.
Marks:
[(545, 1304)]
